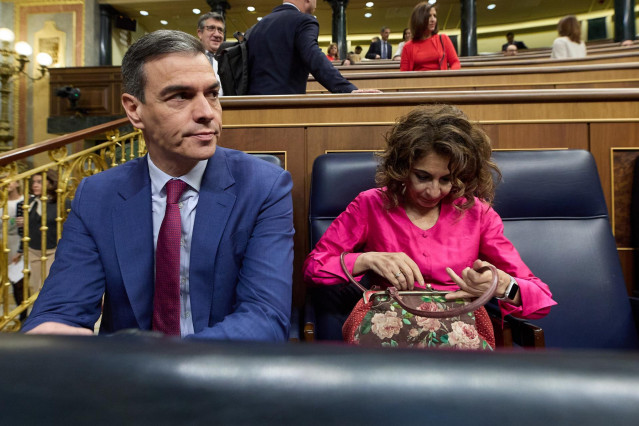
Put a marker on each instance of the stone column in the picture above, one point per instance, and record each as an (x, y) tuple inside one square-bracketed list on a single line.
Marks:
[(339, 25), (106, 21), (624, 20), (468, 28)]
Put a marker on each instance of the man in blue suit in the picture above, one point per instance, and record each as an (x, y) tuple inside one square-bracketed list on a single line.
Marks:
[(236, 243), (283, 50), (380, 49)]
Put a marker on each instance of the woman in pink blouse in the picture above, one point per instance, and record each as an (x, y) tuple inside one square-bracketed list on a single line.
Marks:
[(431, 220), (427, 50)]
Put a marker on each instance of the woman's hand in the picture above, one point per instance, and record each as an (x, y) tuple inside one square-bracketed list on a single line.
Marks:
[(473, 284), (397, 268), (20, 221), (16, 258)]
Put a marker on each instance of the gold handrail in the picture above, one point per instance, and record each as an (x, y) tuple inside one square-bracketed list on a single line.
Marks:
[(71, 167)]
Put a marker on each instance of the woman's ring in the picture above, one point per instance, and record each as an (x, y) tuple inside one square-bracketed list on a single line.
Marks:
[(398, 274)]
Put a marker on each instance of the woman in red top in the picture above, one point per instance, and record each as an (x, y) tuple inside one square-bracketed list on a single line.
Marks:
[(331, 52), (427, 50)]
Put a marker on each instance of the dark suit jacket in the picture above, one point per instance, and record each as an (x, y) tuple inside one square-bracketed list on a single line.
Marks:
[(520, 45), (283, 50), (241, 262), (376, 49)]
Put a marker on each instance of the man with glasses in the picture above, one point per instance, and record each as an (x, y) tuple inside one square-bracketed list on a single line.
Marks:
[(210, 30)]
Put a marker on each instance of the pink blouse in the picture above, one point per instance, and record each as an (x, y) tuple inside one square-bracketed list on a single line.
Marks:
[(453, 241), (428, 55)]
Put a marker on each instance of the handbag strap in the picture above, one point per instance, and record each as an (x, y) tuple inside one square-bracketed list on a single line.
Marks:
[(470, 307)]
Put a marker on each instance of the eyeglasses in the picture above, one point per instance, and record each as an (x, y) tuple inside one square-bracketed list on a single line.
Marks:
[(213, 28)]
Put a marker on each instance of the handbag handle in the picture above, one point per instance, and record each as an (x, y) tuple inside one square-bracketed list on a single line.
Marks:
[(470, 307)]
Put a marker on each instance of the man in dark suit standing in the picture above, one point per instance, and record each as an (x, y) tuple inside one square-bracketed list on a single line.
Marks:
[(380, 49), (510, 37), (283, 50), (191, 240)]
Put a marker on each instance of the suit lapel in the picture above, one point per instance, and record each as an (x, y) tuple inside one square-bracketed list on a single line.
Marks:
[(133, 225), (214, 207)]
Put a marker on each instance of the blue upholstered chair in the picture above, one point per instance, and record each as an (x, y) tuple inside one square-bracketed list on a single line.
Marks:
[(554, 213)]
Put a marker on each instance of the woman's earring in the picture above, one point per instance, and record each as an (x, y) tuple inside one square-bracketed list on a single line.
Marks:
[(403, 188)]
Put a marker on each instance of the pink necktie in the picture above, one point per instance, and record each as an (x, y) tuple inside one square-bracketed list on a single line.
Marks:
[(166, 298)]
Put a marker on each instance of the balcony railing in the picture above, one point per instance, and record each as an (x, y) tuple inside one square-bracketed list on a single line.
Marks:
[(111, 144)]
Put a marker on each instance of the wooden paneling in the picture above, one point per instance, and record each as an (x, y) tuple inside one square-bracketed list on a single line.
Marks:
[(538, 135)]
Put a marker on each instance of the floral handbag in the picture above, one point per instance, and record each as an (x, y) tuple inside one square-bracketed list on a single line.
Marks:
[(422, 318)]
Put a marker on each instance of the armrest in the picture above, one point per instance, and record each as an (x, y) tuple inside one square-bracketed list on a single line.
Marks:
[(520, 332), (309, 321), (634, 304)]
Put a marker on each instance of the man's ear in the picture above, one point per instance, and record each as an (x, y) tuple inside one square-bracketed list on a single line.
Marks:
[(132, 107)]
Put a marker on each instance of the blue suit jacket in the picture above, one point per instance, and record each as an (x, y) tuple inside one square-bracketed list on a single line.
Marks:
[(283, 50), (376, 49), (241, 254)]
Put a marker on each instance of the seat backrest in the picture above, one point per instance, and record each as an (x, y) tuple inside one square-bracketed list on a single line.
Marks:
[(337, 178), (555, 214), (270, 158)]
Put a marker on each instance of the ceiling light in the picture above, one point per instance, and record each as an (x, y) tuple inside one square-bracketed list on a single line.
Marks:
[(370, 4), (250, 9), (163, 22), (491, 6), (259, 18), (196, 11), (368, 15), (432, 1), (144, 13)]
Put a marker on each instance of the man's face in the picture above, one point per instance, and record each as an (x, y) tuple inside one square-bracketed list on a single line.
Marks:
[(385, 34), (511, 50), (181, 118), (510, 38), (212, 35)]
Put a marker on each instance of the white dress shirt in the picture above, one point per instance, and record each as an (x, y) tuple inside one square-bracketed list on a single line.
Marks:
[(187, 204)]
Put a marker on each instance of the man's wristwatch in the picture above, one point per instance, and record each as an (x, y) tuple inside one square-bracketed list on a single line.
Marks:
[(511, 291)]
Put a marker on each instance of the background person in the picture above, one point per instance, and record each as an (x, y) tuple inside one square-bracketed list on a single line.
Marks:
[(210, 30), (427, 50), (283, 50), (569, 43), (331, 53), (431, 220), (405, 37), (380, 48), (510, 37), (511, 50), (35, 223)]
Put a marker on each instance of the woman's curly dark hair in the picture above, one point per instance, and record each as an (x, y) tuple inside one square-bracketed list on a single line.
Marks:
[(446, 131)]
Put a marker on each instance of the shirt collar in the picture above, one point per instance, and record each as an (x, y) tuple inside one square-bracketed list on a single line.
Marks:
[(292, 5), (193, 178)]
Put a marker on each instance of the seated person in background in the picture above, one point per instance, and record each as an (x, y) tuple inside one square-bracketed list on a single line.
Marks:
[(380, 48), (569, 43), (331, 53), (405, 38), (627, 43), (191, 240), (511, 50), (510, 37), (351, 59), (427, 50), (358, 50), (431, 220)]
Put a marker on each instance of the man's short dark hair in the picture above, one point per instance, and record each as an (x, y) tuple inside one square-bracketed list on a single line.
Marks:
[(383, 29), (510, 33), (151, 46), (210, 15)]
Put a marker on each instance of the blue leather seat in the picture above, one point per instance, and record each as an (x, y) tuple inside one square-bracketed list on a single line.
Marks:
[(555, 214)]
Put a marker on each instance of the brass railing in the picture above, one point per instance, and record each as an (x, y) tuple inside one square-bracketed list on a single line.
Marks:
[(71, 165)]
